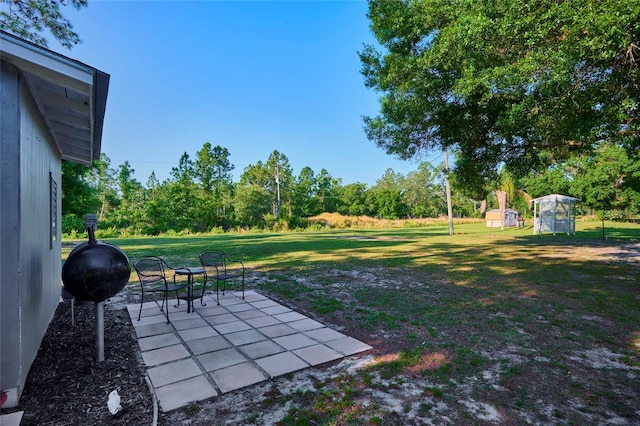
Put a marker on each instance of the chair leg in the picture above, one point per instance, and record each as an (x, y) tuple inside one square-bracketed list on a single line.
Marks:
[(204, 286), (141, 302), (217, 291), (165, 298)]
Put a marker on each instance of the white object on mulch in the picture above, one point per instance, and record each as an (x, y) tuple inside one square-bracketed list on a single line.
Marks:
[(114, 403)]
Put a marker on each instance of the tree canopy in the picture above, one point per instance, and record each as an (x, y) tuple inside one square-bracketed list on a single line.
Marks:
[(28, 18), (511, 82)]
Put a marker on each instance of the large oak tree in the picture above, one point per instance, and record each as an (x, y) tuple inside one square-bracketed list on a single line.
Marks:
[(516, 82)]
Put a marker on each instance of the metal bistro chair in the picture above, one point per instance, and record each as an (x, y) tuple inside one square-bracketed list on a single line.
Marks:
[(220, 266), (151, 272)]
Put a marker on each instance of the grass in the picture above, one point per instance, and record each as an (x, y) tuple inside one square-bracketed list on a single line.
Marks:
[(503, 318)]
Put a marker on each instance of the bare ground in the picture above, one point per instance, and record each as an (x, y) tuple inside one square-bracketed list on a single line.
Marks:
[(517, 382)]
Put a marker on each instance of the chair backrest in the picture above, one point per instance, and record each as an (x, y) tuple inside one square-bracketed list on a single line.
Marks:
[(215, 258), (150, 269)]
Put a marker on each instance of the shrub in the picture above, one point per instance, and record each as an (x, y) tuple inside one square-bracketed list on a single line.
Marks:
[(72, 224), (110, 232)]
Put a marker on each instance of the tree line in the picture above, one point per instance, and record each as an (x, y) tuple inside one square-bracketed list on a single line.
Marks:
[(201, 196)]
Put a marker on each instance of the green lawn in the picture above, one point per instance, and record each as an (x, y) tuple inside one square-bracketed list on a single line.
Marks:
[(482, 327)]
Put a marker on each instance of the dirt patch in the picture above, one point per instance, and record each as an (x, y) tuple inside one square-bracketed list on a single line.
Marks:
[(513, 351)]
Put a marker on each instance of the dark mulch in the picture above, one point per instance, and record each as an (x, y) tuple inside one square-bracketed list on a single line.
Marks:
[(66, 386)]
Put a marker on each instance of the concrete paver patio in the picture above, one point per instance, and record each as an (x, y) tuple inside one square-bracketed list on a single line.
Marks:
[(221, 348)]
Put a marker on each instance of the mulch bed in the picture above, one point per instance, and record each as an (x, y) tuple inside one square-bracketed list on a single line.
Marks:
[(66, 386)]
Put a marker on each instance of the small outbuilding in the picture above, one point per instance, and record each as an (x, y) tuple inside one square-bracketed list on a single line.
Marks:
[(494, 218), (554, 213), (52, 109)]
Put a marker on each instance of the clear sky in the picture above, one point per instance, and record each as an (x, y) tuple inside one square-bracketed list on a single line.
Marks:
[(250, 76)]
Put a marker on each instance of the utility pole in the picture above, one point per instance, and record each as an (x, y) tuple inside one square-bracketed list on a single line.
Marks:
[(448, 189), (277, 190)]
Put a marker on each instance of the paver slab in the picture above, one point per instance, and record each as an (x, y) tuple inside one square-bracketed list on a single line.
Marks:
[(149, 309), (221, 319), (277, 330), (252, 313), (237, 376), (229, 299), (261, 349), (153, 329), (197, 333), (317, 354), (294, 341), (135, 307), (245, 337), (348, 346), (211, 344), (179, 316), (232, 327), (264, 303), (305, 324), (215, 310), (166, 354), (324, 334), (289, 316), (240, 307), (220, 359), (183, 324), (276, 309), (282, 363), (251, 296), (262, 321), (185, 392), (173, 372), (155, 319), (158, 341)]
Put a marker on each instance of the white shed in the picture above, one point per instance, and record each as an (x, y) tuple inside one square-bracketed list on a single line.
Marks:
[(52, 109), (494, 219), (554, 213)]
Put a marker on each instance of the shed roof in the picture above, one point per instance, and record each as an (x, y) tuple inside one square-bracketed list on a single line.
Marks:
[(498, 210), (71, 96), (555, 197)]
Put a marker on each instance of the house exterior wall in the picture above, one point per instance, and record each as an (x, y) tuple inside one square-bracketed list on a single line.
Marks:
[(40, 256), (10, 368), (31, 261)]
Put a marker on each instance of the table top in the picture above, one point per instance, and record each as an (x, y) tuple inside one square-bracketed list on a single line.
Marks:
[(190, 270)]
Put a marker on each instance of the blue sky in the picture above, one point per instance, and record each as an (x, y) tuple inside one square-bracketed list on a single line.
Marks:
[(252, 77)]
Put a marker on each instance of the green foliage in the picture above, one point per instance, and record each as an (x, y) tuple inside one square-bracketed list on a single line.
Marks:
[(72, 224), (78, 195), (252, 204), (554, 180), (514, 82), (608, 180), (186, 203), (28, 18), (353, 200)]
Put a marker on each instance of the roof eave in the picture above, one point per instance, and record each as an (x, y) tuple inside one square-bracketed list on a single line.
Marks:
[(71, 96)]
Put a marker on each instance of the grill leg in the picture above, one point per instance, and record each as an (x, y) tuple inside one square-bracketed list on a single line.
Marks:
[(99, 331)]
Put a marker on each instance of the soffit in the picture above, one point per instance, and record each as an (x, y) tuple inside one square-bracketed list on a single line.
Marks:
[(71, 96)]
